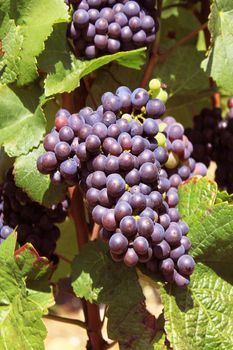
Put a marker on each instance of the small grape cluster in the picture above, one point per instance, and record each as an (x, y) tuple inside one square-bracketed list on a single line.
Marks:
[(35, 223), (108, 26), (130, 163), (212, 136)]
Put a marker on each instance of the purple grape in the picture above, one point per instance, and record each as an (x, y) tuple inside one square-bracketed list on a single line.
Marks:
[(148, 172), (173, 234), (122, 209), (98, 179), (131, 258), (139, 97), (92, 196), (158, 234), (112, 164), (162, 250), (97, 214), (155, 108), (68, 169), (186, 243), (186, 265), (118, 243), (128, 226), (109, 221), (62, 150), (131, 8), (115, 185), (114, 30), (176, 253), (145, 226), (80, 18)]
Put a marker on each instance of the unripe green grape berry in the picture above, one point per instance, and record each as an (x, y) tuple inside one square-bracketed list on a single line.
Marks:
[(162, 127), (127, 116), (154, 84), (161, 139), (163, 95), (173, 161)]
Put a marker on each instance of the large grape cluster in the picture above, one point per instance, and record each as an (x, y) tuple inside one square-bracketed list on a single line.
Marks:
[(212, 136), (108, 26), (34, 222), (129, 163)]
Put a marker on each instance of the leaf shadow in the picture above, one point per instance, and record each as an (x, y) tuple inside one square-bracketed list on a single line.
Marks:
[(182, 296)]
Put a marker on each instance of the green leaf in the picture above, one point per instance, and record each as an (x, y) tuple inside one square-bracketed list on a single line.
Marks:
[(199, 317), (22, 129), (188, 86), (218, 64), (25, 39), (223, 196), (196, 196), (37, 186), (21, 309), (5, 164), (134, 62), (98, 279), (67, 79)]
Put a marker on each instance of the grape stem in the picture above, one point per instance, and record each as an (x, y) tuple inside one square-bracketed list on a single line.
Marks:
[(95, 232), (57, 318), (91, 311), (163, 56)]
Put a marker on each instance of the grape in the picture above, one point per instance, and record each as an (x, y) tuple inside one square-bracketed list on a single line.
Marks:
[(100, 41), (163, 184), (123, 125), (101, 26), (158, 234), (184, 172), (155, 108), (148, 172), (5, 231), (145, 189), (176, 131), (50, 141), (109, 221), (175, 180), (177, 252), (186, 265), (200, 169), (141, 245), (93, 15), (180, 280), (121, 19), (147, 23), (118, 243), (161, 155), (135, 23), (139, 96), (112, 164), (66, 134), (93, 143), (114, 30), (47, 162), (97, 214), (109, 118), (148, 212), (145, 226), (113, 45), (138, 202), (167, 266), (100, 130), (173, 234), (126, 34), (68, 169), (92, 196), (136, 128), (186, 243), (164, 220), (104, 198), (162, 250), (115, 185), (150, 127), (174, 214), (184, 227), (98, 179), (156, 198), (108, 14), (126, 161), (130, 258), (122, 209), (133, 177), (61, 118), (80, 18), (172, 199), (112, 103), (128, 226), (62, 150)]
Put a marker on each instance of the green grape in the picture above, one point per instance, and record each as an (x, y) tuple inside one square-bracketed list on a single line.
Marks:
[(162, 127), (128, 117), (173, 161), (163, 95), (154, 85), (161, 139)]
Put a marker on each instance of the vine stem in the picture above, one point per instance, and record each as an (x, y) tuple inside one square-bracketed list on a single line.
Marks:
[(95, 232), (156, 56)]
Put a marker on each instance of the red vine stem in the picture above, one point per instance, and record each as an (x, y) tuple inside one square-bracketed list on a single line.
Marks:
[(156, 56), (95, 232)]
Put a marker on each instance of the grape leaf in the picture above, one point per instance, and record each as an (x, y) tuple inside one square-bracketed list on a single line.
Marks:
[(199, 317), (66, 79), (37, 186), (93, 271), (218, 64), (25, 39), (20, 128), (195, 196), (21, 309)]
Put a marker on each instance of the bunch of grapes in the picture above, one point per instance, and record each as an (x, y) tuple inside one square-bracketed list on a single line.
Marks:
[(108, 26), (212, 137), (130, 163), (34, 222)]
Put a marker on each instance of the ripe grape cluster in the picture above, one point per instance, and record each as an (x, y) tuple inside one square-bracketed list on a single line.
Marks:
[(34, 222), (130, 163), (108, 26), (212, 136)]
